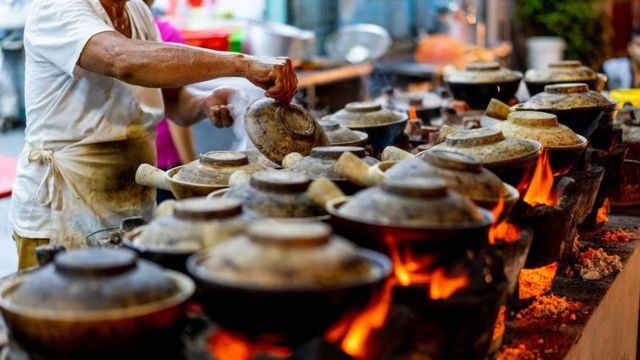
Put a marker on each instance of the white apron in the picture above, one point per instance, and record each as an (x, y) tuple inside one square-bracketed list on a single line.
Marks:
[(90, 184)]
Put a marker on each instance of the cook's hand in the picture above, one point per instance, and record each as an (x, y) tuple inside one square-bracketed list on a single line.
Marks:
[(275, 75), (216, 106)]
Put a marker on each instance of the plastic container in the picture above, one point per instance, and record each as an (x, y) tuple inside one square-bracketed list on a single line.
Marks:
[(543, 50)]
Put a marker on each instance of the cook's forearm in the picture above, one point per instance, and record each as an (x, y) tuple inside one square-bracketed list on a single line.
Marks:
[(156, 64), (161, 65)]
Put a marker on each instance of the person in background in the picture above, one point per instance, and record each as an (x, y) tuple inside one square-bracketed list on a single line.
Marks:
[(624, 72), (174, 143)]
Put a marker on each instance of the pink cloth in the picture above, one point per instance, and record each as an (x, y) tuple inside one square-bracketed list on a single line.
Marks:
[(167, 154)]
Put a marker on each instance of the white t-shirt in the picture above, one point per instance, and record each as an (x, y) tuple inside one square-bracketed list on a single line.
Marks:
[(67, 104)]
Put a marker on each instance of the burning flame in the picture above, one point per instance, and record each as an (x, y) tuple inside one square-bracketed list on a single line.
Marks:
[(225, 345), (413, 115), (534, 282), (540, 191), (354, 330), (603, 212), (502, 231), (443, 286)]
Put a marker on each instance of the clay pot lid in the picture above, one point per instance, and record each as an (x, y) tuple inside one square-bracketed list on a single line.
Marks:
[(567, 70), (483, 72), (286, 256), (93, 279), (539, 126), (412, 202), (477, 137), (280, 181), (279, 129), (427, 188), (224, 159), (565, 96), (365, 114), (488, 145), (334, 152), (452, 160), (206, 209), (338, 134), (215, 167)]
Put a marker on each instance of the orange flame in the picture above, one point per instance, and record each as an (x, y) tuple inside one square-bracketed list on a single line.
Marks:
[(413, 115), (502, 231), (540, 191), (443, 286), (603, 212), (534, 282), (225, 345), (355, 330)]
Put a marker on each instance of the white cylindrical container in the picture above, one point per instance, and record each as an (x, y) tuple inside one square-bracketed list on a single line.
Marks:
[(542, 50)]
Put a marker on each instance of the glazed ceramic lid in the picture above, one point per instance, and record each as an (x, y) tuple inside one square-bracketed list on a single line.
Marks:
[(489, 145), (195, 224), (364, 114), (215, 167), (93, 279), (338, 134), (280, 194), (278, 129), (281, 255), (463, 173), (539, 126), (566, 96), (322, 161), (412, 202), (479, 73), (568, 70)]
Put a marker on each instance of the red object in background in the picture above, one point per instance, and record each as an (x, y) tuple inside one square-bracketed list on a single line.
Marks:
[(214, 39), (195, 3), (7, 175)]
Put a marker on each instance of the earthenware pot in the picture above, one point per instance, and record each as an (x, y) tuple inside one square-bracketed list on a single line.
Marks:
[(198, 178), (93, 303), (512, 159), (563, 146), (196, 224), (576, 106), (480, 82), (383, 126), (288, 280), (567, 71)]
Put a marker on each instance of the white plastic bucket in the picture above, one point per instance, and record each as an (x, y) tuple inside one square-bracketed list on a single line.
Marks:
[(542, 50)]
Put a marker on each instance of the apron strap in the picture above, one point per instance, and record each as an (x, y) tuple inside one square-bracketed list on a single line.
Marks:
[(44, 195)]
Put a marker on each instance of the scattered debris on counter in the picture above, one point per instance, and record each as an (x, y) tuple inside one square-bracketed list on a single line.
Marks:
[(594, 264), (552, 307)]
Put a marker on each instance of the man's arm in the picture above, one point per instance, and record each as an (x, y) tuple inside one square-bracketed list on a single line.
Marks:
[(162, 65)]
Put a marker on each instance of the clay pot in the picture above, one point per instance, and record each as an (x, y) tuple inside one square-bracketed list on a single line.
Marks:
[(339, 135), (275, 194), (568, 71), (462, 173), (512, 159), (279, 129), (419, 212), (289, 280), (381, 125), (563, 145), (198, 178), (480, 82), (93, 303), (322, 163), (576, 106), (196, 224)]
